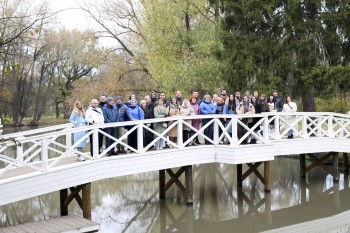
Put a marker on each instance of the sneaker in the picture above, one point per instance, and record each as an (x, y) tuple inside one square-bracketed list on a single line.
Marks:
[(123, 151), (80, 158)]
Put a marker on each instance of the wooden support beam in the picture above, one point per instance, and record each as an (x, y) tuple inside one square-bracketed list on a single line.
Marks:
[(173, 179), (302, 166), (334, 171), (346, 162), (86, 195), (253, 169), (239, 175), (75, 195), (335, 167), (267, 176), (189, 184), (162, 184), (186, 190), (84, 202), (319, 162), (63, 197)]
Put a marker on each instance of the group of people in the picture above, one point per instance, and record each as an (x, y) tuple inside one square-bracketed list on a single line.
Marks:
[(109, 110)]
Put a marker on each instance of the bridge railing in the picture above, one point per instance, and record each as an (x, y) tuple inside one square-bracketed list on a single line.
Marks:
[(48, 148)]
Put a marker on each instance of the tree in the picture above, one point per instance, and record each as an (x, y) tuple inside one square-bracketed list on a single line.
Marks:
[(181, 45), (281, 44)]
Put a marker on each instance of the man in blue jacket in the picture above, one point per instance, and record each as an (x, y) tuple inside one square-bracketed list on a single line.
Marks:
[(123, 114), (109, 111)]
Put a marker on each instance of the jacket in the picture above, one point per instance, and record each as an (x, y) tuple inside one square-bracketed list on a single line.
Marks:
[(207, 108), (136, 112), (123, 113), (94, 116), (109, 113), (279, 104)]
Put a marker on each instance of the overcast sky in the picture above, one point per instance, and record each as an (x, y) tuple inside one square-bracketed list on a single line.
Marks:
[(70, 18)]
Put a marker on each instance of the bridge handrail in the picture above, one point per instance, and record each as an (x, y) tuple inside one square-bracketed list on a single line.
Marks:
[(34, 149), (38, 131), (36, 134)]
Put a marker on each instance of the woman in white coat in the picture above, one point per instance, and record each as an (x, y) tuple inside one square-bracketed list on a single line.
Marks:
[(94, 116), (290, 107)]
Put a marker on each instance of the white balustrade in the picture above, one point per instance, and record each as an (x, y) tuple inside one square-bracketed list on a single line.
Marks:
[(43, 149)]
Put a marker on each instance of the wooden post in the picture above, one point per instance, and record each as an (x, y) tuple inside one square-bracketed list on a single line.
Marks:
[(335, 167), (63, 197), (302, 166), (161, 184), (189, 184), (239, 175), (346, 162), (267, 176), (86, 196)]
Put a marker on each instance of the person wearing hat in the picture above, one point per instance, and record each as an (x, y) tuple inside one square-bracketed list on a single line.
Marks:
[(123, 114), (109, 111)]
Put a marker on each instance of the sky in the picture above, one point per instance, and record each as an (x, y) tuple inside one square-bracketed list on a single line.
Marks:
[(70, 18)]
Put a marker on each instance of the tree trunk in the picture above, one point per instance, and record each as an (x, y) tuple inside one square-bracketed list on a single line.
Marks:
[(57, 109), (308, 101)]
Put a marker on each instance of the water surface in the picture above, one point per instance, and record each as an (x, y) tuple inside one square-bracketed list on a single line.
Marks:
[(131, 203)]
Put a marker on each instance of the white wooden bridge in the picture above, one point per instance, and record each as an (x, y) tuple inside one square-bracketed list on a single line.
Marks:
[(40, 161)]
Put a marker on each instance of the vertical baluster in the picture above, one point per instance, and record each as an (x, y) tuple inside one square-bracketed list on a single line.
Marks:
[(266, 129), (234, 126), (330, 126), (95, 143), (44, 155), (304, 125), (69, 141), (180, 141), (19, 151), (216, 131), (277, 127), (140, 138)]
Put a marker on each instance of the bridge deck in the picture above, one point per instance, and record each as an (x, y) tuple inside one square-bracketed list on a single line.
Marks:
[(69, 223), (23, 170)]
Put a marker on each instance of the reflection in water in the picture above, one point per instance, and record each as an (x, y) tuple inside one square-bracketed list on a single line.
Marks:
[(131, 204)]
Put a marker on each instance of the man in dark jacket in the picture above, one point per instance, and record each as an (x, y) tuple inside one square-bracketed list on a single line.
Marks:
[(278, 100), (109, 111), (103, 101), (122, 115), (179, 98)]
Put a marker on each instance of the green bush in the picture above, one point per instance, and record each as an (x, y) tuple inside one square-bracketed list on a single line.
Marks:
[(339, 105)]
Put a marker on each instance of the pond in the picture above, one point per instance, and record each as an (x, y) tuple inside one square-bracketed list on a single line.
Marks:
[(131, 203)]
